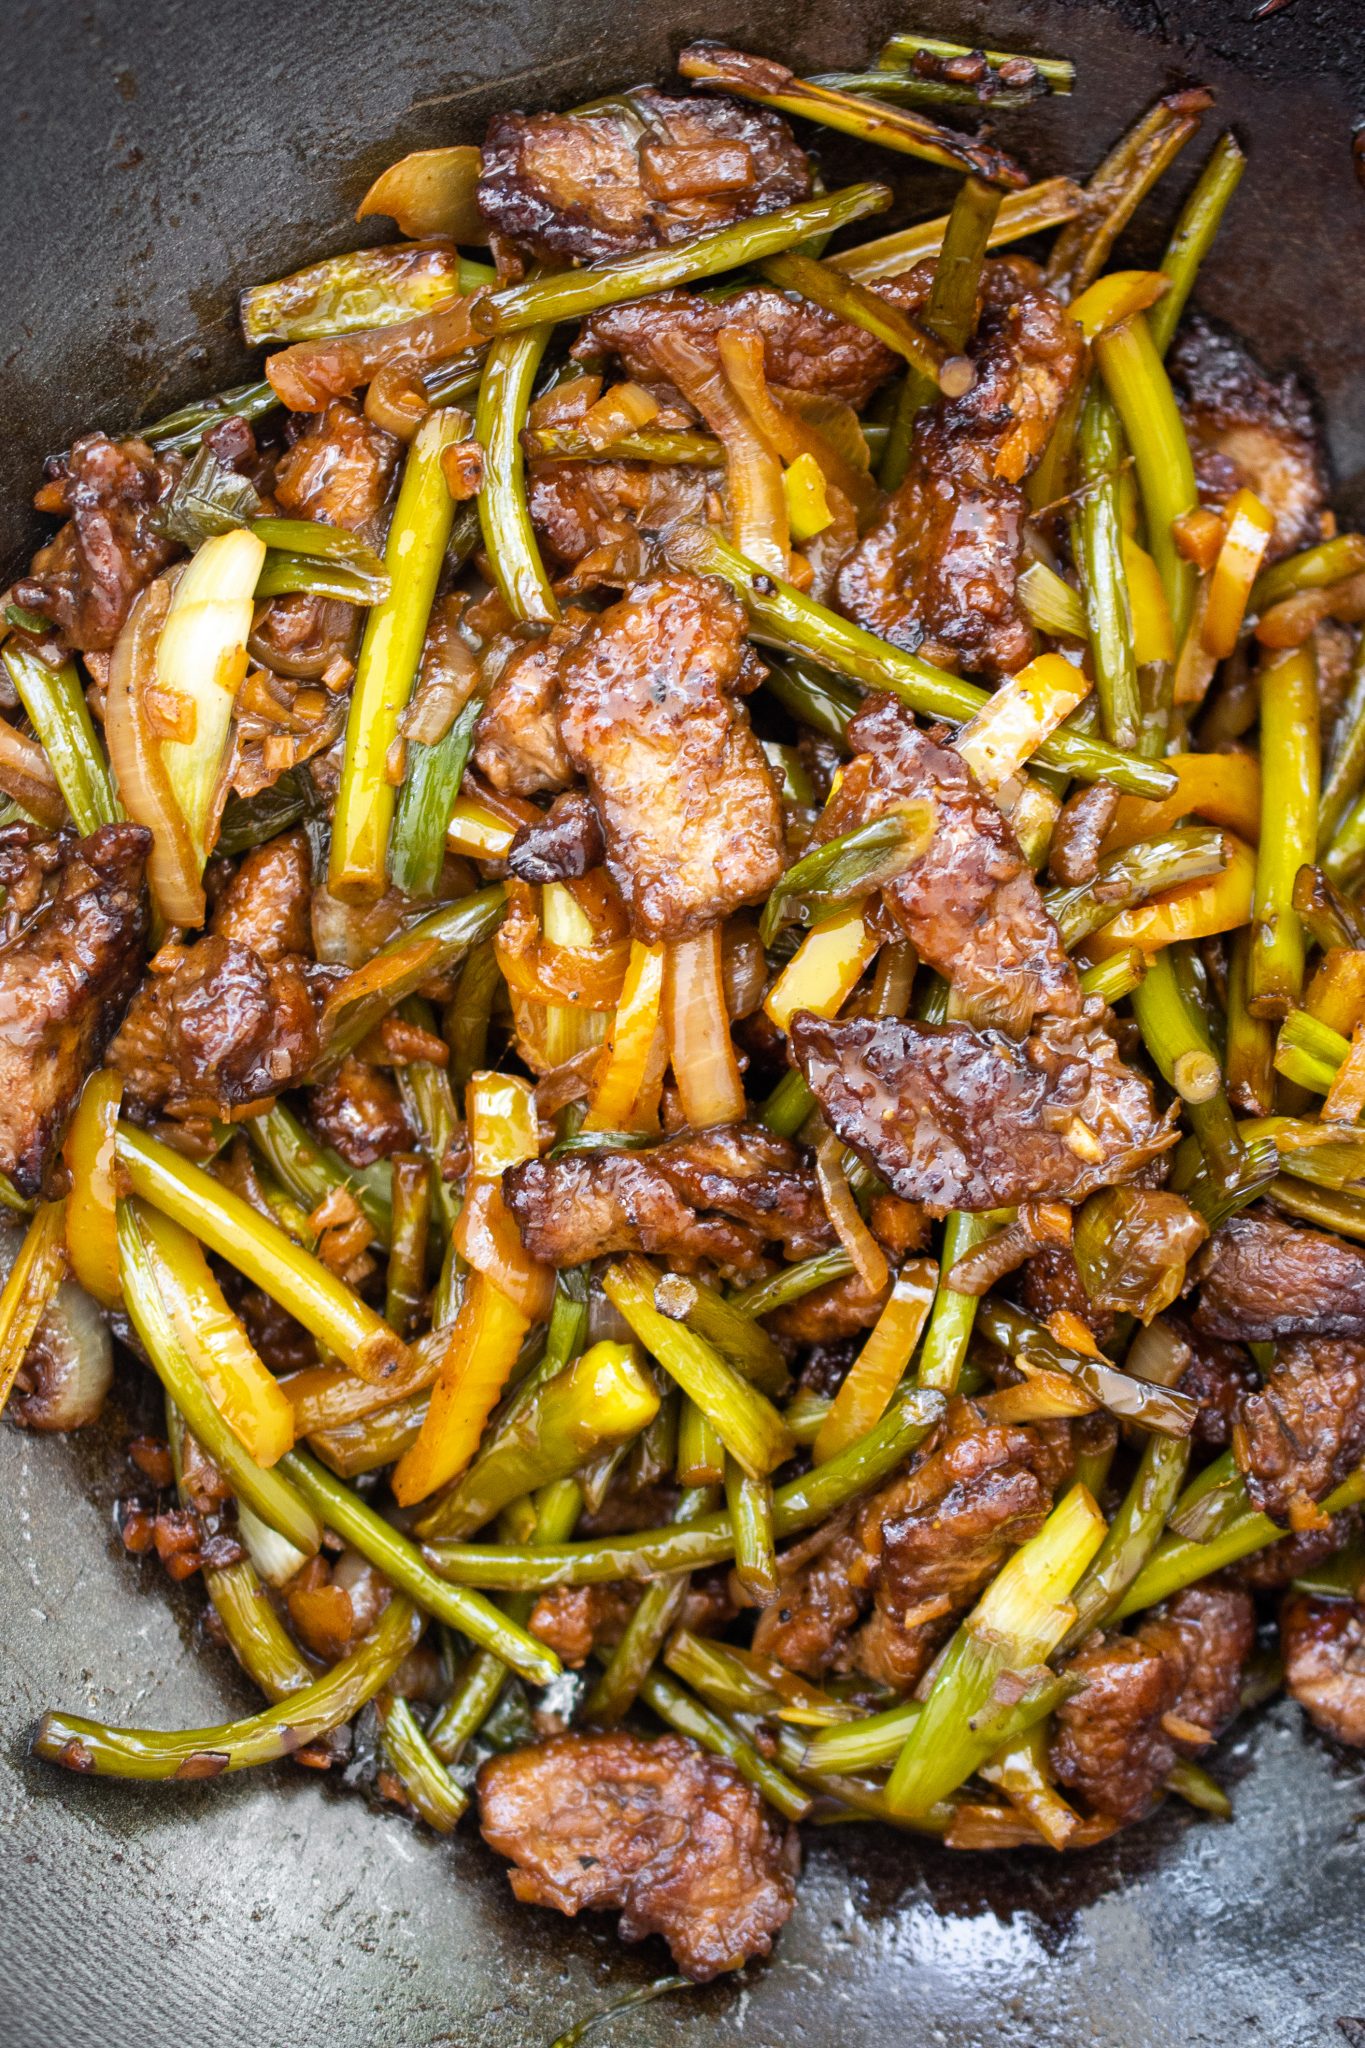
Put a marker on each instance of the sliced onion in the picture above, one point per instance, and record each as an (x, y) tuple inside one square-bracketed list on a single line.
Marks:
[(868, 1258), (173, 872), (273, 1555), (430, 192), (26, 776), (698, 1027), (201, 660), (69, 1364), (758, 505), (786, 432)]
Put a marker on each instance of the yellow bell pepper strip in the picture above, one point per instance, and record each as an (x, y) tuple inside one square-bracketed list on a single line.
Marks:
[(1025, 710), (503, 1132), (825, 969), (1224, 788), (91, 1224), (621, 1083), (37, 1272), (485, 1342), (1250, 526), (1193, 910), (881, 1365)]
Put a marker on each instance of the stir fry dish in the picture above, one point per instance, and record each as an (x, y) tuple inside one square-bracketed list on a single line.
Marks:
[(682, 968)]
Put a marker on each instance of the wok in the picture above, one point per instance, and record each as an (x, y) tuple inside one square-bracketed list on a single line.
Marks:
[(162, 154)]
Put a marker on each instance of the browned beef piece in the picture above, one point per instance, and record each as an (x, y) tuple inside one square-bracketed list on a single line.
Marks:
[(916, 1554), (720, 1194), (110, 548), (339, 470), (664, 1830), (1246, 431), (826, 1315), (581, 508), (573, 1620), (970, 904), (71, 949), (1324, 1663), (277, 1338), (963, 1119), (266, 904), (220, 1032), (1051, 1284), (565, 843), (937, 571), (359, 1110), (1217, 1376), (1301, 1433), (1268, 1570), (516, 741), (804, 347), (1262, 1277), (1146, 1694), (1078, 835), (576, 188), (648, 713)]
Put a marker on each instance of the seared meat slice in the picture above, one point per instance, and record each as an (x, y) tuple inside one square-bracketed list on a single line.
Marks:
[(110, 548), (1051, 1283), (359, 1110), (579, 187), (963, 1119), (664, 1830), (1165, 1691), (1269, 1570), (1324, 1663), (804, 347), (573, 1620), (217, 1032), (70, 957), (937, 572), (339, 470), (841, 1309), (720, 1194), (583, 508), (1301, 1433), (565, 843), (970, 904), (688, 804), (1247, 432), (267, 902), (917, 1553), (1262, 1278), (516, 741), (1217, 1376)]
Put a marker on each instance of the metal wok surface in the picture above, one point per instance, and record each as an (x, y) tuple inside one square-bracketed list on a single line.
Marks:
[(160, 155)]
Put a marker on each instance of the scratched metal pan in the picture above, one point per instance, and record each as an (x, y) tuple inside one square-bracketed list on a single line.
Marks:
[(158, 155)]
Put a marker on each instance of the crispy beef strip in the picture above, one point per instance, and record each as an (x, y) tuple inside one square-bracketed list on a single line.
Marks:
[(268, 899), (670, 1834), (805, 348), (359, 1111), (339, 470), (1324, 1663), (86, 577), (721, 1194), (829, 1314), (1247, 432), (1218, 1375), (602, 509), (963, 1119), (1275, 1567), (573, 1620), (937, 572), (1145, 1694), (563, 845), (517, 746), (71, 953), (1262, 1277), (970, 905), (1303, 1431), (914, 1556), (690, 811), (570, 188), (1050, 1283)]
